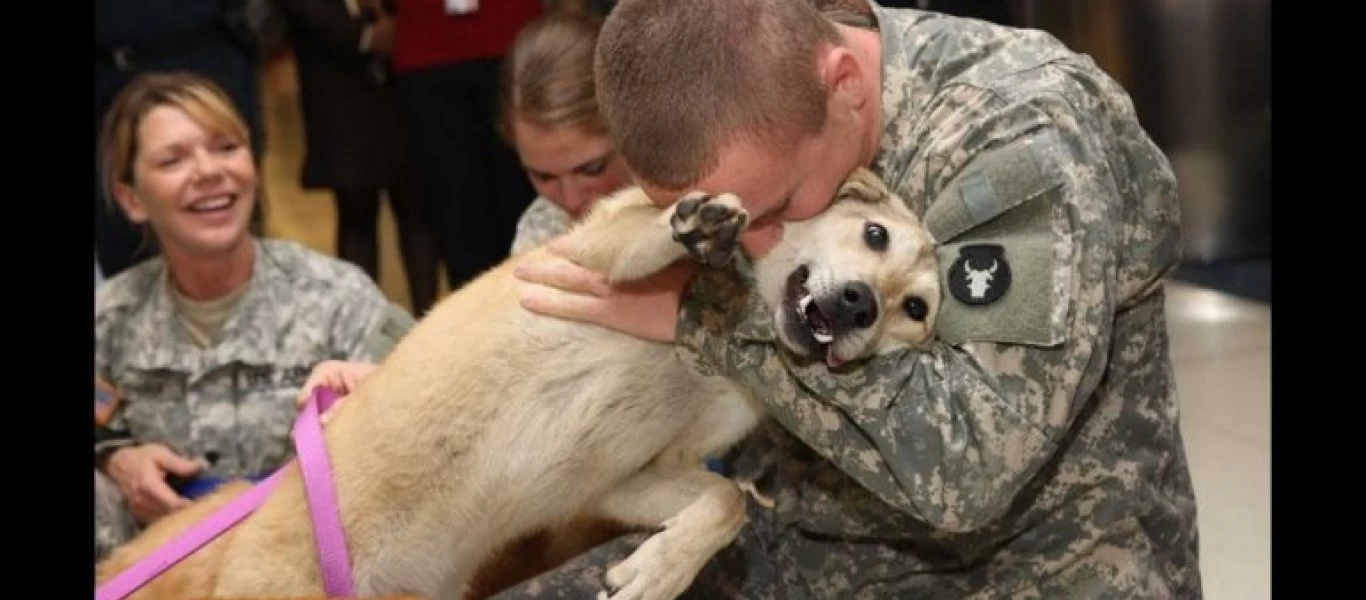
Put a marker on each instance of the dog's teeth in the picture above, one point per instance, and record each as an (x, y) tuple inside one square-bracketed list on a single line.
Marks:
[(803, 304), (823, 337)]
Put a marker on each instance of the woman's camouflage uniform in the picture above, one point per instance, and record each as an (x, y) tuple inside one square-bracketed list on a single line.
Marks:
[(231, 404), (541, 222)]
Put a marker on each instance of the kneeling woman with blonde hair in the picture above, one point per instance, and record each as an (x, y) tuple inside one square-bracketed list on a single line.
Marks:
[(207, 345)]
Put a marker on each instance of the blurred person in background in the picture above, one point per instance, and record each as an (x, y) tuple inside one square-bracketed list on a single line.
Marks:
[(446, 57), (357, 141), (202, 349), (139, 36)]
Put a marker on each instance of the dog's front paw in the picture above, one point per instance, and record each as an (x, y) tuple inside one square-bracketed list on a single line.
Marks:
[(658, 570), (709, 226)]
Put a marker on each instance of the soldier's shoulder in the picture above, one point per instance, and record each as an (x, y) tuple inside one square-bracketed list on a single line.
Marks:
[(946, 52), (308, 271), (542, 206), (542, 221), (544, 217), (310, 268), (124, 293)]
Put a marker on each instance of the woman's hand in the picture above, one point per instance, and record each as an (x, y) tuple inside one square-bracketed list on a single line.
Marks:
[(647, 309), (341, 376), (140, 472)]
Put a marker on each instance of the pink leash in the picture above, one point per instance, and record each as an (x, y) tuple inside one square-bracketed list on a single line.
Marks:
[(311, 449)]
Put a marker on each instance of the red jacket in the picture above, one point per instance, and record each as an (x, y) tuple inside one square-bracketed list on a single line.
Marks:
[(425, 36)]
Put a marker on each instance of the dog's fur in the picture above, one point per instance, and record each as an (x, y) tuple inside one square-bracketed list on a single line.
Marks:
[(488, 423)]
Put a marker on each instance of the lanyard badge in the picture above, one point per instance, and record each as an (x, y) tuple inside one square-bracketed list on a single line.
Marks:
[(461, 7)]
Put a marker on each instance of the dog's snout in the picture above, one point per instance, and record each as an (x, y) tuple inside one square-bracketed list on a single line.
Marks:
[(856, 307)]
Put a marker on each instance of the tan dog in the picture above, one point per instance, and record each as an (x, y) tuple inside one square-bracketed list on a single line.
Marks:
[(488, 423)]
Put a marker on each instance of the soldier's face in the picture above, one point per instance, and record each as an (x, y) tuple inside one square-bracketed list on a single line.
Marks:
[(775, 186), (195, 186)]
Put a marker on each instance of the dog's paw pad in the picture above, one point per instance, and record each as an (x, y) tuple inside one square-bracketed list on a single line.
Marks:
[(688, 206), (709, 226), (715, 213)]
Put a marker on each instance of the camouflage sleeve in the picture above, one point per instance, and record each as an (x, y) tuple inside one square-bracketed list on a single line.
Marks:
[(110, 437), (368, 326), (541, 222), (113, 433), (950, 435)]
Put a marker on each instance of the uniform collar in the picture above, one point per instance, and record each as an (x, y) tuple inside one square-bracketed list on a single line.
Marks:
[(248, 335)]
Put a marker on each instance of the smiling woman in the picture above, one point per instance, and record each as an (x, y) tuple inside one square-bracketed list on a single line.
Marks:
[(176, 158), (204, 348)]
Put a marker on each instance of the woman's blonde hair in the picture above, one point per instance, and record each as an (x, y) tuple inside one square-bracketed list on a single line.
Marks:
[(547, 77), (203, 100)]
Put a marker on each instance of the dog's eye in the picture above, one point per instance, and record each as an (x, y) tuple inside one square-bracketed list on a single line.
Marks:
[(916, 308), (875, 236)]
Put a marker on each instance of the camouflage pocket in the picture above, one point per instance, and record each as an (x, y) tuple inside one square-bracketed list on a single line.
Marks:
[(154, 408)]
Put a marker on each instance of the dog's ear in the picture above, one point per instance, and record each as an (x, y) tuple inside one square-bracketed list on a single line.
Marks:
[(865, 186)]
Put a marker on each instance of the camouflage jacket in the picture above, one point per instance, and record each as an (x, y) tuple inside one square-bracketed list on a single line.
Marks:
[(233, 403), (1035, 449), (541, 222)]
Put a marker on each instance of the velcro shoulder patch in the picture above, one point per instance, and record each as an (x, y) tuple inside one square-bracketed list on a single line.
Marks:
[(1004, 264), (994, 182)]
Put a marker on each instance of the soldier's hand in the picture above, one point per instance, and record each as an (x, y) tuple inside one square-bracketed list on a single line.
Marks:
[(341, 376), (647, 309), (141, 472)]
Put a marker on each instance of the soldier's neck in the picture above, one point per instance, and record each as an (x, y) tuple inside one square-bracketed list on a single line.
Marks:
[(866, 45), (200, 277)]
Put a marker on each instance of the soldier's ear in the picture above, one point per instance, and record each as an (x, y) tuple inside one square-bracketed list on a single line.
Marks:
[(843, 79), (128, 200)]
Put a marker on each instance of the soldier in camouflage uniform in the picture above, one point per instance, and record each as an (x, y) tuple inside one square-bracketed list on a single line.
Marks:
[(1035, 450), (206, 361)]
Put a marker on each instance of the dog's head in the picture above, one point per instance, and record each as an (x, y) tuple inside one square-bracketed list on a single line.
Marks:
[(858, 279)]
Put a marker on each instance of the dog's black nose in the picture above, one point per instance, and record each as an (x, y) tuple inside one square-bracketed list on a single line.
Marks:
[(856, 307)]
